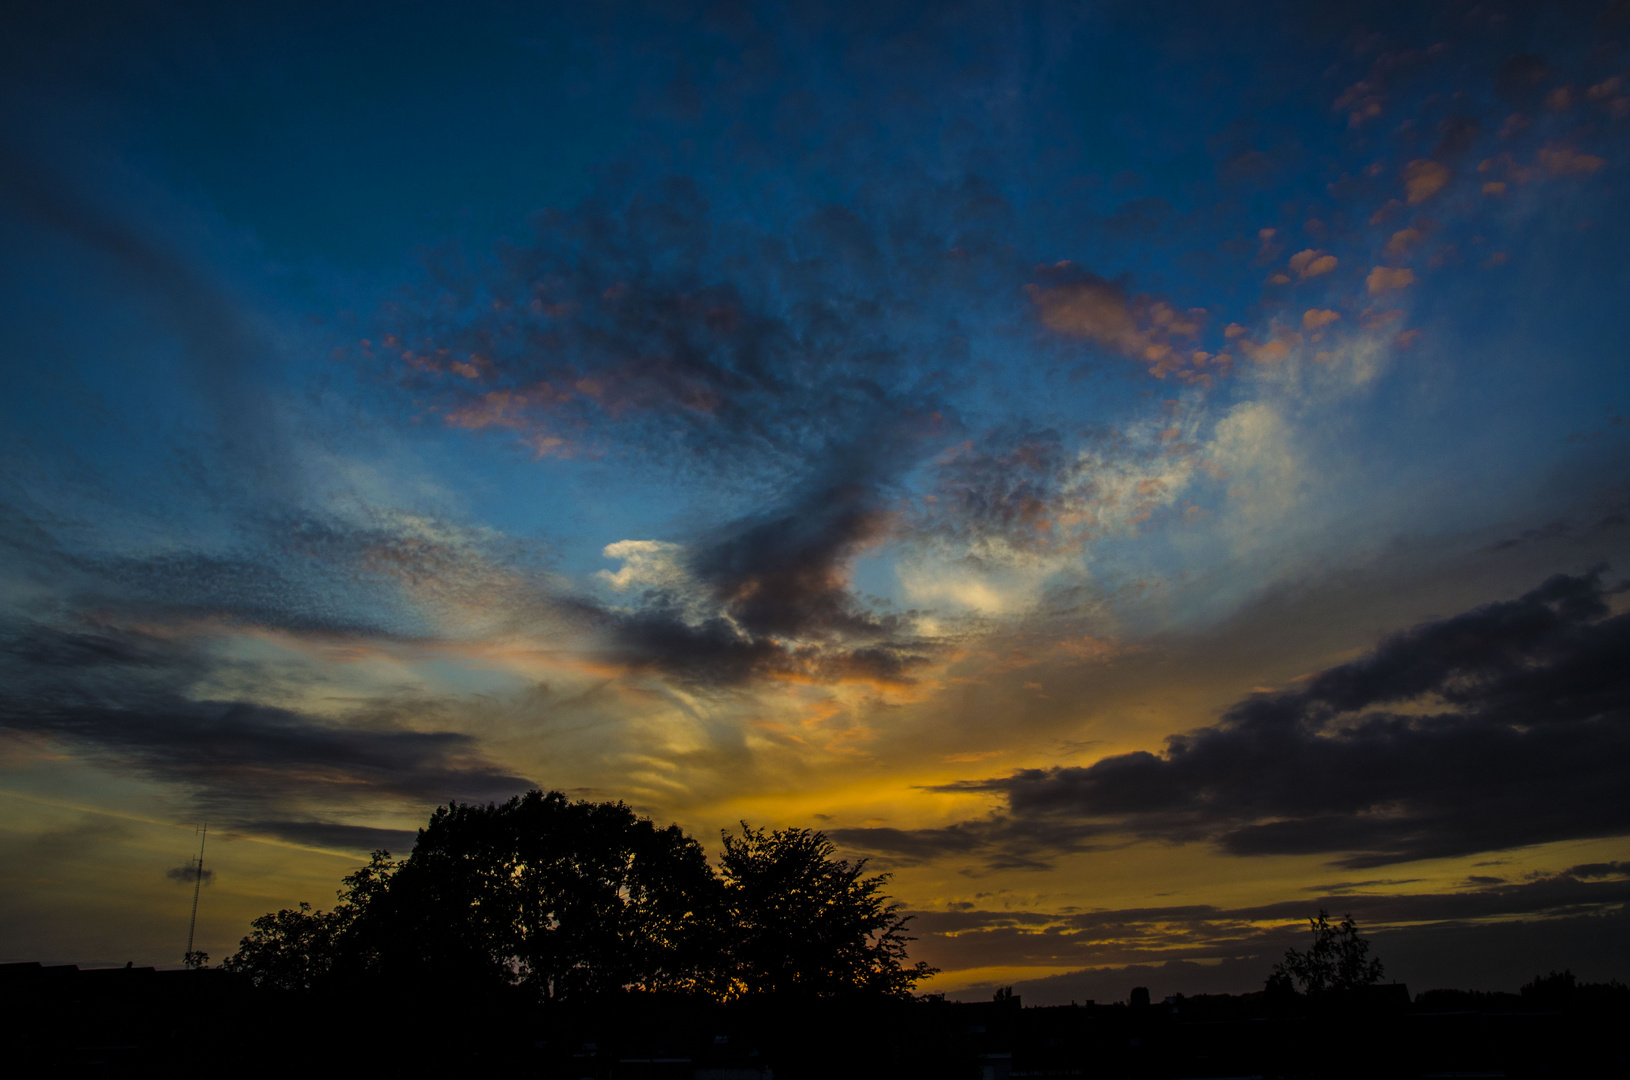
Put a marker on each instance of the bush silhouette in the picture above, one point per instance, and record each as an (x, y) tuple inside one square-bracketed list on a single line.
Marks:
[(1338, 960)]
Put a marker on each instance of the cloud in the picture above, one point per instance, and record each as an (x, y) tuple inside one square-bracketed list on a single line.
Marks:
[(1504, 726), (1311, 263), (1567, 161), (1076, 303), (1423, 179), (768, 595), (1316, 319), (1519, 78), (1402, 243), (1228, 958), (239, 753), (640, 326), (1456, 136), (1383, 279), (1019, 492), (1246, 941), (646, 564), (328, 834), (187, 875), (122, 699)]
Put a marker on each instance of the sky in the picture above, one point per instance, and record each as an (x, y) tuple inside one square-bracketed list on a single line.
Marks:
[(1136, 474)]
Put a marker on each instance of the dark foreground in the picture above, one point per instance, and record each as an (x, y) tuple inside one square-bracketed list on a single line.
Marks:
[(124, 1022)]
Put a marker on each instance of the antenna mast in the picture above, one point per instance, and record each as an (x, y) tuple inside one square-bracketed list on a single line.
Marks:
[(197, 884)]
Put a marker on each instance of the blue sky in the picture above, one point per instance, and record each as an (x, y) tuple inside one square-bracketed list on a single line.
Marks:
[(853, 415)]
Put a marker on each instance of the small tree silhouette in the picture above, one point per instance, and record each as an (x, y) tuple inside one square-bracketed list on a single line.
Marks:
[(1338, 960)]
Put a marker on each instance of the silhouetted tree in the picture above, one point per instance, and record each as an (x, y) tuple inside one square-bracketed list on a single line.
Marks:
[(299, 948), (560, 898), (567, 900), (805, 922), (1338, 960), (1558, 986)]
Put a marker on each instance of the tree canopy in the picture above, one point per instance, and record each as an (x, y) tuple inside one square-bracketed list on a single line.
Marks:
[(571, 900), (1338, 959), (803, 921)]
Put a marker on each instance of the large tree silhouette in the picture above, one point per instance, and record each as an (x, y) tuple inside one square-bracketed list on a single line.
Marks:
[(804, 922), (570, 900)]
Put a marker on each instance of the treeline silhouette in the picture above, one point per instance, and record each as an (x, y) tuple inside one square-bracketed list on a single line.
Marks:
[(140, 1022), (579, 941), (550, 900)]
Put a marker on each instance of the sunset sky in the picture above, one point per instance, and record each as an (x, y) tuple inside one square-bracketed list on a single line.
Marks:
[(1137, 473)]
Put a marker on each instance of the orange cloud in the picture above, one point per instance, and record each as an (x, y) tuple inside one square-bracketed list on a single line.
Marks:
[(1312, 263), (1424, 178), (1361, 101), (1140, 327), (1386, 211), (1271, 351), (1402, 243), (1386, 279), (1318, 318), (1566, 161), (515, 410)]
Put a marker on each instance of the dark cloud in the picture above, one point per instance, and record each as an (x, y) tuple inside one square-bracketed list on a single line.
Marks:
[(124, 698), (809, 366), (1203, 932), (1456, 136), (640, 324), (1519, 79), (1493, 936), (1483, 956), (328, 834), (777, 592), (1000, 842), (1349, 886), (240, 753), (187, 875), (783, 572), (309, 574), (50, 647), (1006, 486), (718, 652), (1599, 870), (1611, 516), (1504, 726)]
